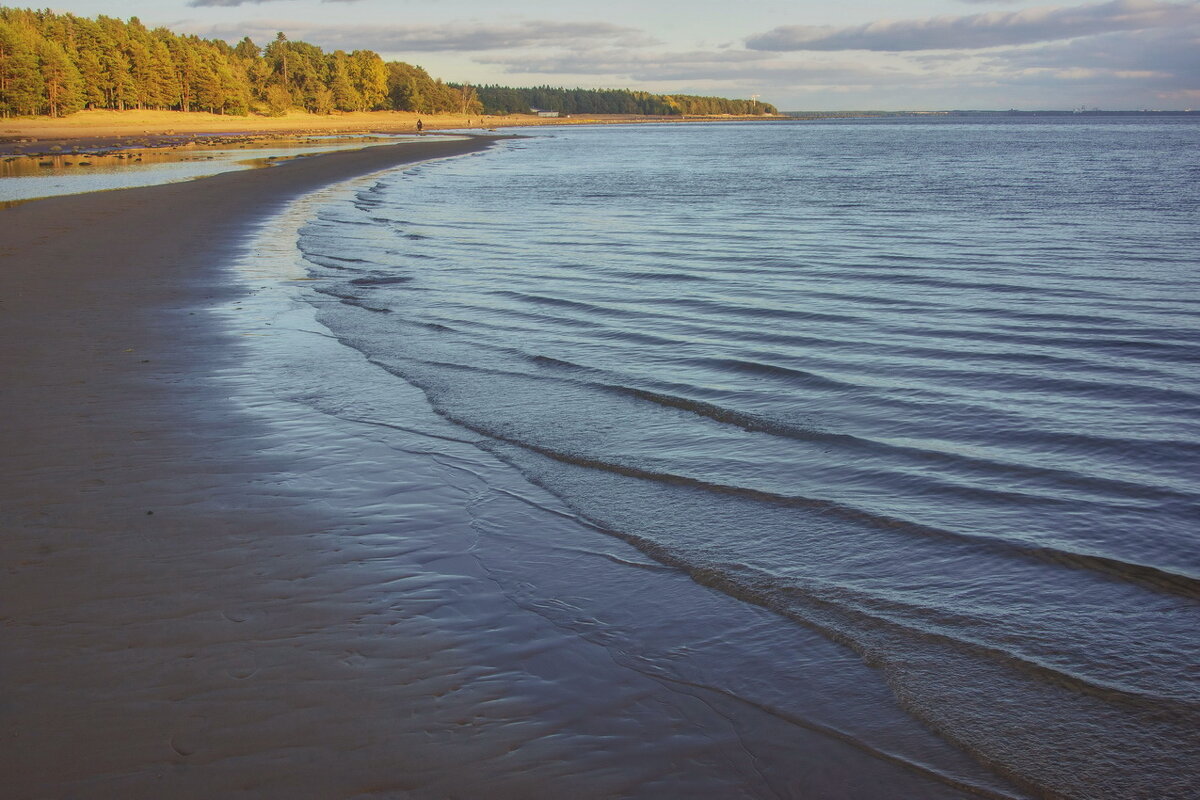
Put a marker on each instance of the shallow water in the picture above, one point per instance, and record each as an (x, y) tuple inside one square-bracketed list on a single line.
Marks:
[(927, 389), (30, 177)]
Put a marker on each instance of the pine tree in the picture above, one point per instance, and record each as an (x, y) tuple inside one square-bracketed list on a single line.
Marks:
[(345, 96), (141, 66), (91, 75), (279, 100), (276, 55), (210, 94), (121, 89), (61, 79), (370, 77), (247, 50), (21, 88), (323, 102), (165, 77)]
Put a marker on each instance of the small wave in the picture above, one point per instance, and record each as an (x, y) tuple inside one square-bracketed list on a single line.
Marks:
[(389, 281), (324, 257), (808, 379), (556, 362), (562, 302), (985, 466), (913, 621), (664, 276), (1001, 288), (726, 309), (1157, 578), (353, 300)]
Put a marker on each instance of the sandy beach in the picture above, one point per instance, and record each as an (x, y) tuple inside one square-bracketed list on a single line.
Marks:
[(99, 129)]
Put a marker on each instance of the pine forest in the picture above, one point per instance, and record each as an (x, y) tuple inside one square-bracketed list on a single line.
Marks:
[(56, 64)]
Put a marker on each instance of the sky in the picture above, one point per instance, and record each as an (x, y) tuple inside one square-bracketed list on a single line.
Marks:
[(801, 55)]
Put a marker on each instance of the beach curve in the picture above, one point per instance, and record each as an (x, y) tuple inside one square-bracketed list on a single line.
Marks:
[(192, 610)]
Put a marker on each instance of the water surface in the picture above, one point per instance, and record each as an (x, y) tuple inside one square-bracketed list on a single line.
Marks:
[(926, 388), (25, 177)]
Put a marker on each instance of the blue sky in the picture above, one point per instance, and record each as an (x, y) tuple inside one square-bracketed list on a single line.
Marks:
[(799, 55)]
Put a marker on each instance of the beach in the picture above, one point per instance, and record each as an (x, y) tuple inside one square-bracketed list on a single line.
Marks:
[(99, 129), (211, 593), (572, 464)]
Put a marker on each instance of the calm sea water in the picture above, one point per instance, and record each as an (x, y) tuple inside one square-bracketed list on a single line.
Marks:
[(30, 177), (928, 388)]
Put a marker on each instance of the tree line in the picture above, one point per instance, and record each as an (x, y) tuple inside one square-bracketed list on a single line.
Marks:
[(507, 100), (55, 64)]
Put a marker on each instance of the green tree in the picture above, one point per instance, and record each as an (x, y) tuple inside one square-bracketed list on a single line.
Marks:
[(323, 102), (345, 96), (468, 100), (406, 85), (308, 72), (276, 55), (247, 50), (187, 67), (279, 100), (141, 67), (92, 77), (167, 88), (121, 90), (370, 77), (234, 85), (60, 78), (210, 93), (21, 88)]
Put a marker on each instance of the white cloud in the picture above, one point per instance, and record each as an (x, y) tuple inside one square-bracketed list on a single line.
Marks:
[(468, 37), (992, 29), (236, 3)]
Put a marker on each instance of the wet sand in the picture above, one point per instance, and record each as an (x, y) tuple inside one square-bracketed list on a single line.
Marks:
[(197, 602)]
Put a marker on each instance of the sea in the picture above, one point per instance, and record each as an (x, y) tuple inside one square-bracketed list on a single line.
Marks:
[(922, 396)]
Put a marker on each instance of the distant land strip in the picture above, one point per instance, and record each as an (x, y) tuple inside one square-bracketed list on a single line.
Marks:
[(1090, 112)]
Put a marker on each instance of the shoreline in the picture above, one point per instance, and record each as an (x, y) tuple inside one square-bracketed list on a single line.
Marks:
[(206, 595), (191, 607), (90, 130)]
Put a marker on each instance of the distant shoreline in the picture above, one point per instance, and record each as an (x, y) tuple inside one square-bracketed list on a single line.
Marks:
[(985, 114), (140, 129), (109, 130)]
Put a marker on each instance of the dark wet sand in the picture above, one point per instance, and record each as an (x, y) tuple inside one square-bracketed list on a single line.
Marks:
[(196, 603)]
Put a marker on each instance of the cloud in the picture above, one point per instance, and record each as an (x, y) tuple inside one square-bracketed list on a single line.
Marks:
[(235, 3), (977, 31), (1158, 60), (640, 65), (1153, 68), (704, 67), (448, 37)]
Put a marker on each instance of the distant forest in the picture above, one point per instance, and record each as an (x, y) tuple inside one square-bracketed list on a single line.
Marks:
[(505, 100), (56, 64)]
